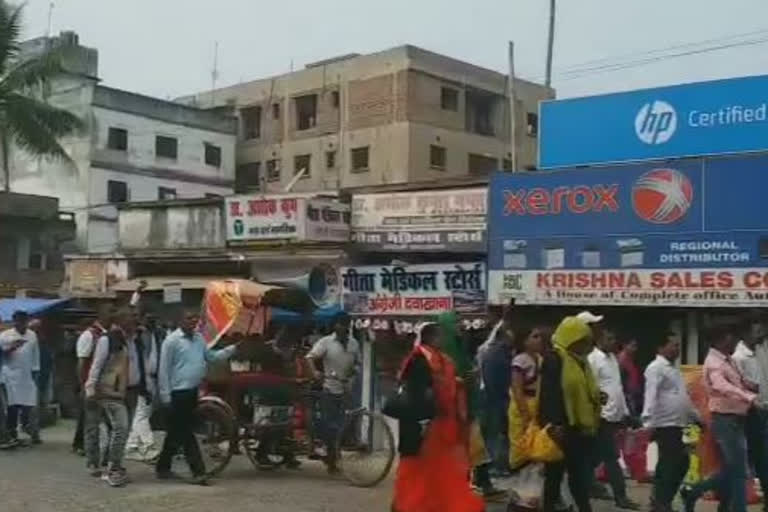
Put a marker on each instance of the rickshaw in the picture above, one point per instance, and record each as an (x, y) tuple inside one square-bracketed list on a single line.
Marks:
[(235, 413)]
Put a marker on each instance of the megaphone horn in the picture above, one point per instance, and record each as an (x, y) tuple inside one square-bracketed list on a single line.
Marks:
[(321, 284)]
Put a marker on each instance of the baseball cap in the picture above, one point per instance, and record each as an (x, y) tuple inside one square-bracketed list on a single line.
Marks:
[(589, 318)]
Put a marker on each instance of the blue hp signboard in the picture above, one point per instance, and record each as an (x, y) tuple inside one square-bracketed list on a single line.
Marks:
[(706, 118)]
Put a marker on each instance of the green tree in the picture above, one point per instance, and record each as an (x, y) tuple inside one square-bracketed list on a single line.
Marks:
[(27, 121)]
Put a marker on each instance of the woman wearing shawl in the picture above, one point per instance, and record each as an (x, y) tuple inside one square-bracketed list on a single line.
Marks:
[(433, 468), (479, 459), (570, 402)]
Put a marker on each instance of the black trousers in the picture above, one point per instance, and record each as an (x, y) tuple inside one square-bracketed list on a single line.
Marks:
[(757, 446), (78, 443), (181, 420), (672, 465), (607, 454), (16, 414), (578, 451)]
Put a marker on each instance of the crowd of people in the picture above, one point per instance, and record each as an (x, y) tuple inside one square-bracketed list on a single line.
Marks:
[(586, 392)]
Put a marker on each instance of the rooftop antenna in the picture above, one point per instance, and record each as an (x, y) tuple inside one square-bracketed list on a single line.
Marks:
[(214, 73), (50, 19)]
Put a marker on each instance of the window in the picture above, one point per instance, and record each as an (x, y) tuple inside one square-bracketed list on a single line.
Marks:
[(212, 155), (306, 111), (335, 99), (481, 108), (210, 195), (273, 170), (36, 260), (250, 119), (275, 111), (506, 164), (449, 99), (117, 139), (330, 159), (482, 165), (302, 162), (437, 157), (532, 124), (166, 147), (360, 159), (164, 193), (117, 191), (248, 177)]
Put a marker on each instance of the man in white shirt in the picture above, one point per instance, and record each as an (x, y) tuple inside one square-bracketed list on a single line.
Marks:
[(667, 410), (614, 413), (340, 354), (86, 343), (751, 365), (21, 366)]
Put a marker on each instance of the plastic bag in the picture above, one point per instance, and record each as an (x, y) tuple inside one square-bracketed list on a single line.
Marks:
[(527, 486), (543, 447)]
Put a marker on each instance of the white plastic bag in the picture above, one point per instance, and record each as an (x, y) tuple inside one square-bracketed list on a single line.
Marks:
[(526, 489)]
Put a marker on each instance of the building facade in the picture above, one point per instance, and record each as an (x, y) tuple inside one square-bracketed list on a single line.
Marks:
[(32, 230), (398, 116), (133, 148)]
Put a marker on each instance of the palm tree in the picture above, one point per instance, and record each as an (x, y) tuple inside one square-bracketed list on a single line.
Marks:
[(27, 121)]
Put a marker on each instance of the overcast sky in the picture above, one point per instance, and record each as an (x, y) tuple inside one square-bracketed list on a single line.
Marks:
[(165, 47)]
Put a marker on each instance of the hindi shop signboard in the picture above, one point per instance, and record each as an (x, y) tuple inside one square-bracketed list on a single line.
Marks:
[(684, 233), (414, 289), (435, 220), (265, 218)]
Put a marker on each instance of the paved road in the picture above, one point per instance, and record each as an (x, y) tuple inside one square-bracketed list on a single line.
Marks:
[(50, 479)]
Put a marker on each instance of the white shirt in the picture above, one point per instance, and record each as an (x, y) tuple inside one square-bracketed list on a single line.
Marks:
[(748, 363), (605, 366), (85, 344), (18, 367), (338, 362), (667, 403)]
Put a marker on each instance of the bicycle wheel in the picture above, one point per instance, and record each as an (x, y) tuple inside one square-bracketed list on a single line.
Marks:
[(366, 448), (215, 433)]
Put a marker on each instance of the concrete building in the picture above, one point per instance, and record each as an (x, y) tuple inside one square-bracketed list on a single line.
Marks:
[(134, 148), (31, 232), (398, 116)]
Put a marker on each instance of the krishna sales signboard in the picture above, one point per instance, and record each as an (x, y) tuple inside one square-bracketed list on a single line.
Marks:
[(685, 233)]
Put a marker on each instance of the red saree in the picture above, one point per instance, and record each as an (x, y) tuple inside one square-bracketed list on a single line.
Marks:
[(437, 479)]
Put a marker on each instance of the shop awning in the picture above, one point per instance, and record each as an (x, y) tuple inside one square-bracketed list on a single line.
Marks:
[(157, 283), (320, 315), (32, 307)]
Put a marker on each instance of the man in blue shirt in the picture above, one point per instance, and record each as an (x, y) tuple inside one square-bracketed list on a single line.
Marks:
[(184, 359)]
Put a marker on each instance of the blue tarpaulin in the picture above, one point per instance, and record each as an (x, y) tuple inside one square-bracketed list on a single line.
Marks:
[(31, 306), (320, 316)]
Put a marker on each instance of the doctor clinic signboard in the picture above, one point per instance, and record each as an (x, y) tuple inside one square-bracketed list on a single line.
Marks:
[(680, 233)]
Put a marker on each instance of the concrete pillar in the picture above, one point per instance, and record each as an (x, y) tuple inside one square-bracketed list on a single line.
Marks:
[(692, 338)]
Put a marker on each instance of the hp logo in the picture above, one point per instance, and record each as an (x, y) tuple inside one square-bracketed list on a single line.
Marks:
[(656, 122)]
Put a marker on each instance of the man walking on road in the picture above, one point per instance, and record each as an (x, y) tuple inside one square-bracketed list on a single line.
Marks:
[(21, 366), (614, 414), (183, 363), (86, 343), (340, 354), (730, 401), (749, 358), (667, 410)]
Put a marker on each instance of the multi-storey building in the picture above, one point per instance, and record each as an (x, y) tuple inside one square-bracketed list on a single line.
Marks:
[(398, 116)]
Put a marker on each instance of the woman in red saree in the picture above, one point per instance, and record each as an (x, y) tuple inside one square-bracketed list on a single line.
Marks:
[(433, 473)]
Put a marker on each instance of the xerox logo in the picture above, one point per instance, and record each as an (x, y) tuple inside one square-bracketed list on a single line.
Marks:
[(656, 122), (662, 196)]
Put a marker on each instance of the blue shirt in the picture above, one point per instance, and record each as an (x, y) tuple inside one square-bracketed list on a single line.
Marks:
[(184, 361)]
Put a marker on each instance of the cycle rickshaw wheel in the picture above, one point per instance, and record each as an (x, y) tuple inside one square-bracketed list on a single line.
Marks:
[(366, 448), (215, 431)]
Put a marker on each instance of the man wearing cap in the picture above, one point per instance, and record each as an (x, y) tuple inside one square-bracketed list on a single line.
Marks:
[(21, 365)]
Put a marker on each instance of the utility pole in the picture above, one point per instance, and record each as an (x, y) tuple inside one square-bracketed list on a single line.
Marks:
[(550, 43), (214, 73), (512, 107), (50, 19)]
